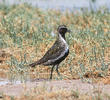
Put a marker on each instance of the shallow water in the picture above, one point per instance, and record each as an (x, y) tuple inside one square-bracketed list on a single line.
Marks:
[(3, 82), (6, 81), (62, 4)]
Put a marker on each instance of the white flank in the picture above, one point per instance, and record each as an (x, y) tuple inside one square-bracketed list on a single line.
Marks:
[(63, 53)]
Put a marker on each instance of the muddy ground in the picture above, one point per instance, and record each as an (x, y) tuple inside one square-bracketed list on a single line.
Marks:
[(18, 89)]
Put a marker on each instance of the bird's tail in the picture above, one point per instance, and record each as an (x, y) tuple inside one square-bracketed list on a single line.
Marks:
[(39, 62), (33, 64)]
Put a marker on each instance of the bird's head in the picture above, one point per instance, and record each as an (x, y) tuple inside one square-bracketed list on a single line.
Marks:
[(62, 29)]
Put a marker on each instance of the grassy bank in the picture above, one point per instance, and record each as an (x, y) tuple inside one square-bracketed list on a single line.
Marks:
[(26, 33)]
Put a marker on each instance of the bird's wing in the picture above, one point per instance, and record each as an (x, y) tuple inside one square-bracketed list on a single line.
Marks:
[(53, 53)]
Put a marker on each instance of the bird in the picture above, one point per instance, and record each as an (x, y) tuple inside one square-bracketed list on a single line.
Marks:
[(57, 53)]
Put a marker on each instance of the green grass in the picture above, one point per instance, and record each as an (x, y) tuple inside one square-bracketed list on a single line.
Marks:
[(27, 32)]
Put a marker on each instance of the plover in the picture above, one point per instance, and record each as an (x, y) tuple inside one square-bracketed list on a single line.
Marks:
[(57, 53)]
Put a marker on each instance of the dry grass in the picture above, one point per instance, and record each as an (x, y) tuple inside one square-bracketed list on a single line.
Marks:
[(26, 34)]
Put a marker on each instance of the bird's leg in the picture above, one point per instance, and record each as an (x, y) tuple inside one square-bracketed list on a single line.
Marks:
[(57, 70), (52, 71)]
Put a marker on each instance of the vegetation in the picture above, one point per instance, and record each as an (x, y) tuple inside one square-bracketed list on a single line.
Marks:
[(26, 33)]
